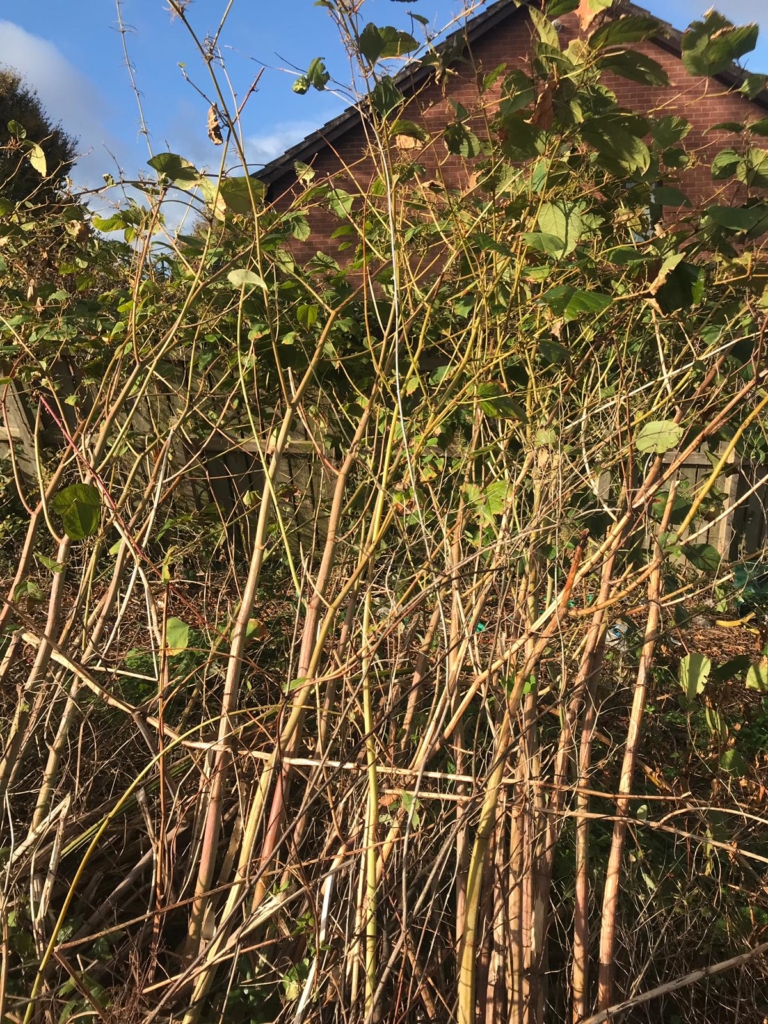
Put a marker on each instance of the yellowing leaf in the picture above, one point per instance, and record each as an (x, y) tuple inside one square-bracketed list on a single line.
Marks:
[(693, 674), (589, 9), (245, 279), (658, 436), (176, 636), (37, 159), (757, 676)]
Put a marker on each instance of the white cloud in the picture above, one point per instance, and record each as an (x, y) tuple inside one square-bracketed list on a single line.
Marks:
[(260, 149), (68, 96)]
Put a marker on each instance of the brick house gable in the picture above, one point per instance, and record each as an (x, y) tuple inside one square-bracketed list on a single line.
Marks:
[(502, 34)]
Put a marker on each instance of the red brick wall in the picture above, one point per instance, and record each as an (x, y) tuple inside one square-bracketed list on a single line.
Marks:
[(701, 101)]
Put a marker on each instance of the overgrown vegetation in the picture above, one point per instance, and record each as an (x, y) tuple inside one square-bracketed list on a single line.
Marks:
[(353, 660)]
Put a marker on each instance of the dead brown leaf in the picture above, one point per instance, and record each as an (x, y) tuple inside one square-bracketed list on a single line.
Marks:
[(214, 126)]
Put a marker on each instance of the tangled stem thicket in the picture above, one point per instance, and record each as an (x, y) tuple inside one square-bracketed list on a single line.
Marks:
[(308, 708)]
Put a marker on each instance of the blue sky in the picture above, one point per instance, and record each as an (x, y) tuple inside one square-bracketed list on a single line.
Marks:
[(72, 52)]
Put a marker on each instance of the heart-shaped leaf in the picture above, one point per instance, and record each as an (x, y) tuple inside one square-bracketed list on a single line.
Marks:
[(702, 556), (79, 506), (658, 436), (376, 43)]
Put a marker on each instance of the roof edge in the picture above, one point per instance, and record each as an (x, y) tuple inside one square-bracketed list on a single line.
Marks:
[(476, 27)]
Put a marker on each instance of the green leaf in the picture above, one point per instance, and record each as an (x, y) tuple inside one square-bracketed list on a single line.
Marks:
[(732, 761), (553, 352), (665, 195), (517, 92), (307, 314), (733, 669), (409, 129), (726, 126), (36, 157), (710, 46), (759, 127), (724, 164), (301, 85), (570, 302), (622, 255), (460, 141), (376, 43), (492, 77), (610, 137), (677, 159), (658, 436), (629, 29), (669, 130), (637, 67), (545, 28), (340, 202), (489, 501), (17, 130), (411, 806), (256, 630), (246, 279), (757, 676), (79, 506), (682, 288), (294, 684), (680, 507), (738, 218), (693, 674), (557, 8), (50, 563), (496, 497), (495, 402), (543, 242), (702, 556), (213, 197), (396, 43), (520, 140), (386, 97), (28, 590), (753, 85), (240, 194), (113, 223), (178, 170), (490, 244), (562, 220), (304, 173), (176, 636), (317, 75), (300, 228), (752, 169)]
